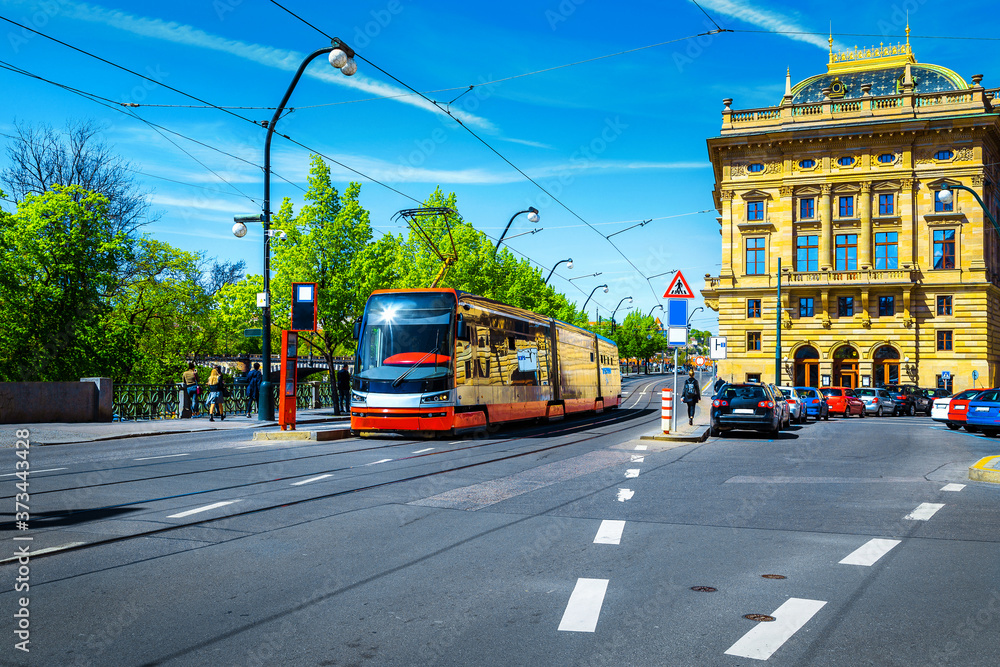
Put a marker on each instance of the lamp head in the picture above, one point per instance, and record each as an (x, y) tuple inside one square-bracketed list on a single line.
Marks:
[(349, 68), (239, 230), (338, 58), (630, 299), (532, 214), (570, 265), (945, 195), (605, 289)]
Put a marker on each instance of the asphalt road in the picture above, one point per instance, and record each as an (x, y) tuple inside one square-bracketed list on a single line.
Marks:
[(568, 544)]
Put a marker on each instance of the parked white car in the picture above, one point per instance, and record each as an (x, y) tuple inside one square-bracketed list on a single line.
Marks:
[(877, 401), (939, 409), (796, 408)]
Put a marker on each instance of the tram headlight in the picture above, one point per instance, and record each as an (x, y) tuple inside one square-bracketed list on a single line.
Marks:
[(441, 397)]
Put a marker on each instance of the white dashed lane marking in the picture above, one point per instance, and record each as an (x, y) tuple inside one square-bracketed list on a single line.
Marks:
[(421, 451), (33, 472), (640, 448), (625, 494), (870, 552), (168, 456), (638, 459), (584, 606), (610, 532), (377, 462), (761, 642), (631, 472), (953, 487), (202, 509), (924, 511), (311, 479)]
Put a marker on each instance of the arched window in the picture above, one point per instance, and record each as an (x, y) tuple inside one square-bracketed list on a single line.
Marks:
[(886, 366)]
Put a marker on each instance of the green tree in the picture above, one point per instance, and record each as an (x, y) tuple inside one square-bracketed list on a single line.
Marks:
[(329, 243), (639, 337), (59, 260)]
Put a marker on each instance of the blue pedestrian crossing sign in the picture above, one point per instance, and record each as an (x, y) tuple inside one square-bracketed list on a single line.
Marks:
[(946, 375), (677, 313)]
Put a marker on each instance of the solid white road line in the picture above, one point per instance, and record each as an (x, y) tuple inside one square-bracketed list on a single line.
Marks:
[(168, 456), (924, 511), (953, 487), (32, 472), (584, 606), (870, 552), (625, 494), (640, 448), (377, 462), (761, 642), (202, 509), (421, 451), (610, 532), (638, 459), (631, 472), (61, 547), (311, 479)]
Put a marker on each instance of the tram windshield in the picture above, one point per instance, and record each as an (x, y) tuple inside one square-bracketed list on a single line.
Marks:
[(406, 334)]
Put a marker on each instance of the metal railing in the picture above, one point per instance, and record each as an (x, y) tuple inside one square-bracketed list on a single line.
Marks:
[(161, 401)]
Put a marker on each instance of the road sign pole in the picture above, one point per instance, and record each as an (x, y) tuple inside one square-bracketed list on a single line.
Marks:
[(674, 416)]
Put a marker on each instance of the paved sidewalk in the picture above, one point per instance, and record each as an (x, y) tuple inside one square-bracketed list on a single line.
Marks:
[(696, 432), (64, 434)]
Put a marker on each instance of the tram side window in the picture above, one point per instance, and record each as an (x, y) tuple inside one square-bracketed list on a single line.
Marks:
[(510, 343)]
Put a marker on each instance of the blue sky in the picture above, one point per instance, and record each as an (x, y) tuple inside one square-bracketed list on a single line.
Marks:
[(618, 140)]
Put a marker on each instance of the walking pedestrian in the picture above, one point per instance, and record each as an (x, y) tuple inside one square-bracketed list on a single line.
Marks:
[(216, 389), (691, 394), (190, 381), (719, 384), (344, 388), (254, 378)]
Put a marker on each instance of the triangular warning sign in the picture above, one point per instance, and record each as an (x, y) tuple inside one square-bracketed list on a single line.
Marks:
[(678, 289)]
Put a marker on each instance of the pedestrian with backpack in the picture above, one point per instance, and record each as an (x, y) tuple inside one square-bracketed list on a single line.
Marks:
[(254, 379), (691, 394)]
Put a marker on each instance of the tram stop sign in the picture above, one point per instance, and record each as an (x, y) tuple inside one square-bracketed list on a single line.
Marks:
[(303, 307)]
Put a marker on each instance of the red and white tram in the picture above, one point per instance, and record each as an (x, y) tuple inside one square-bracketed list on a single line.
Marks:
[(436, 361)]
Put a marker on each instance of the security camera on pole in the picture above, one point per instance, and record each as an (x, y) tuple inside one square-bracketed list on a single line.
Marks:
[(679, 294)]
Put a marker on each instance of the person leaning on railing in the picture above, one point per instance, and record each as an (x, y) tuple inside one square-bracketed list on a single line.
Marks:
[(190, 381)]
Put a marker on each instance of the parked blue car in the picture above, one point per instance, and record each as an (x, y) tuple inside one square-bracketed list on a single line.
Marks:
[(815, 402), (984, 412)]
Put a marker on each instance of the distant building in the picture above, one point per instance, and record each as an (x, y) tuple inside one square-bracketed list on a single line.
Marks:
[(881, 282)]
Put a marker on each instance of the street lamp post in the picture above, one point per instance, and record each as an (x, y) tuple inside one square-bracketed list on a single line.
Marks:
[(945, 196), (584, 309), (567, 262), (616, 310), (532, 217), (660, 306), (342, 57)]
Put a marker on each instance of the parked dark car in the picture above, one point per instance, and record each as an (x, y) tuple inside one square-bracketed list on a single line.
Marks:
[(902, 397), (746, 406)]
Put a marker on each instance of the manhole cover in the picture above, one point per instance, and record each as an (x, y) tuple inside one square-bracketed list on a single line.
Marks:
[(773, 576), (760, 618), (703, 589)]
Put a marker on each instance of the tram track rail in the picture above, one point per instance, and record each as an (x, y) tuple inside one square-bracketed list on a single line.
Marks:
[(601, 422)]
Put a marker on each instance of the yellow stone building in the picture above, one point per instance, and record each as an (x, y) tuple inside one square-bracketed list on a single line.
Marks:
[(880, 281)]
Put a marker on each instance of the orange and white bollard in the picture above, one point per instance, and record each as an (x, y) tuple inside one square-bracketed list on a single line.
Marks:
[(667, 410)]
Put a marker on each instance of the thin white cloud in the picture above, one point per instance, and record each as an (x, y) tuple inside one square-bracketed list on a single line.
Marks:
[(525, 142), (763, 18), (195, 203), (268, 56)]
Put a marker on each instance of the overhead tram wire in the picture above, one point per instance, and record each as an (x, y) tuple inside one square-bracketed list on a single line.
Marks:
[(864, 34), (116, 106), (487, 144)]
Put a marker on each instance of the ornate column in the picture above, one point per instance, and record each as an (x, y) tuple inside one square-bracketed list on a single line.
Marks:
[(785, 226), (865, 242), (826, 235), (726, 270), (908, 239)]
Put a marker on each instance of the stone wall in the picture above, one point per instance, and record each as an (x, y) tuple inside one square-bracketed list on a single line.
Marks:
[(41, 402)]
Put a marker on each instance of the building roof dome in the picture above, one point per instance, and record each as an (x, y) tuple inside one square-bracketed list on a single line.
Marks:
[(888, 70)]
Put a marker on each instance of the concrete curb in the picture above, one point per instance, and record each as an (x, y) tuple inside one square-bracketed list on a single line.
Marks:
[(332, 434), (986, 470), (196, 427), (694, 436)]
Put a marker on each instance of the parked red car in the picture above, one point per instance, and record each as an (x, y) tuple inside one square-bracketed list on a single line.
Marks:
[(842, 401), (960, 406)]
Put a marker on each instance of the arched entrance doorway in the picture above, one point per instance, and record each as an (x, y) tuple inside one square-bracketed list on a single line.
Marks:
[(886, 366), (845, 367), (806, 367)]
